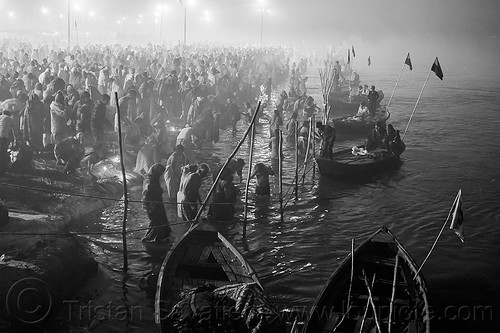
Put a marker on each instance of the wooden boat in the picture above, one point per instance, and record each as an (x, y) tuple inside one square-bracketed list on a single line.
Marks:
[(385, 278), (202, 256), (342, 106), (346, 165), (353, 127)]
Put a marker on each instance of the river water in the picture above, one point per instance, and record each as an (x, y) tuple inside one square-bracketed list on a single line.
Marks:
[(452, 143)]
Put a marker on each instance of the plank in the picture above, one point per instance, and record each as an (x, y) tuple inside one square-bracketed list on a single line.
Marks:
[(222, 261)]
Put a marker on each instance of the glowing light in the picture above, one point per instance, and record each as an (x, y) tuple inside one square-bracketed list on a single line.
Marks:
[(44, 10), (11, 15), (206, 16), (162, 8), (77, 6), (139, 22), (91, 14), (61, 16)]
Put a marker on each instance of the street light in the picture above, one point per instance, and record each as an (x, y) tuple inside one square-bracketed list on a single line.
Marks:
[(262, 11), (184, 5), (160, 10), (206, 16)]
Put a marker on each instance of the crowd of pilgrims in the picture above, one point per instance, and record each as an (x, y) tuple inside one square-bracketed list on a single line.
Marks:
[(61, 103)]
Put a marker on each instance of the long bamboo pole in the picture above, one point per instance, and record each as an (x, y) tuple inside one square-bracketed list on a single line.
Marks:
[(415, 107), (393, 294), (212, 189), (307, 151), (280, 171), (247, 185), (438, 236), (370, 298), (313, 146), (125, 191), (350, 287), (395, 86), (296, 159), (366, 306)]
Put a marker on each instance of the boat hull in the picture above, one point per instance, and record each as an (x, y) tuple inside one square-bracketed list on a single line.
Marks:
[(344, 165), (384, 277), (349, 128), (201, 256), (342, 109)]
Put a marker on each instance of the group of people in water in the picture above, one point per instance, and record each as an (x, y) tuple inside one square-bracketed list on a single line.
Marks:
[(60, 102)]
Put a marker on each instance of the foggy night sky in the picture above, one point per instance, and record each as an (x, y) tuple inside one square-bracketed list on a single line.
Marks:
[(464, 34)]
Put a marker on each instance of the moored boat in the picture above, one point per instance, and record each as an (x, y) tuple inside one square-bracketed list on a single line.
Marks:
[(355, 163), (202, 257), (376, 289), (355, 127)]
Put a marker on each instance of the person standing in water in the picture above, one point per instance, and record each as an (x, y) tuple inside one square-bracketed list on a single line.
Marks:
[(159, 230), (262, 172), (173, 171), (190, 187)]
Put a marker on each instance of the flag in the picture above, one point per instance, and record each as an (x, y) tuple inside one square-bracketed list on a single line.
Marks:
[(353, 53), (369, 61), (457, 216), (408, 61), (76, 26), (436, 68), (348, 56)]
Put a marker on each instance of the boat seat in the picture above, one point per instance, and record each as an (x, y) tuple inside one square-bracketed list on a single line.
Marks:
[(188, 283), (379, 260), (377, 299)]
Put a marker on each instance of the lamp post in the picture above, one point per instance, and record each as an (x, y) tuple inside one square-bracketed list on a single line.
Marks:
[(261, 24), (184, 5), (69, 25), (262, 11), (159, 13)]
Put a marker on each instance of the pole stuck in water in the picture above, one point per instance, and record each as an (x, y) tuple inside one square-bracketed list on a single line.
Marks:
[(125, 192), (307, 152), (313, 146), (280, 171), (247, 185), (415, 107), (212, 189), (296, 159)]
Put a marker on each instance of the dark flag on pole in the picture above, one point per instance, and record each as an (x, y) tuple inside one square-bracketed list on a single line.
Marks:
[(408, 61), (369, 61), (353, 53), (457, 217), (348, 56), (436, 68), (76, 26)]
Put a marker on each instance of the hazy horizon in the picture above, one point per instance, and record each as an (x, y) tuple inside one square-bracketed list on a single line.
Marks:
[(462, 33)]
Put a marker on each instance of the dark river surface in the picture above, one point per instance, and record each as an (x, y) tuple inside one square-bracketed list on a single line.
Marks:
[(453, 143)]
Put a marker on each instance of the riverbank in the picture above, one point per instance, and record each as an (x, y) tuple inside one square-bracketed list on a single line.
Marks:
[(41, 262)]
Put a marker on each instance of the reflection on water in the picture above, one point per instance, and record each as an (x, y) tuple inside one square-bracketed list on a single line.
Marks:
[(451, 144)]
